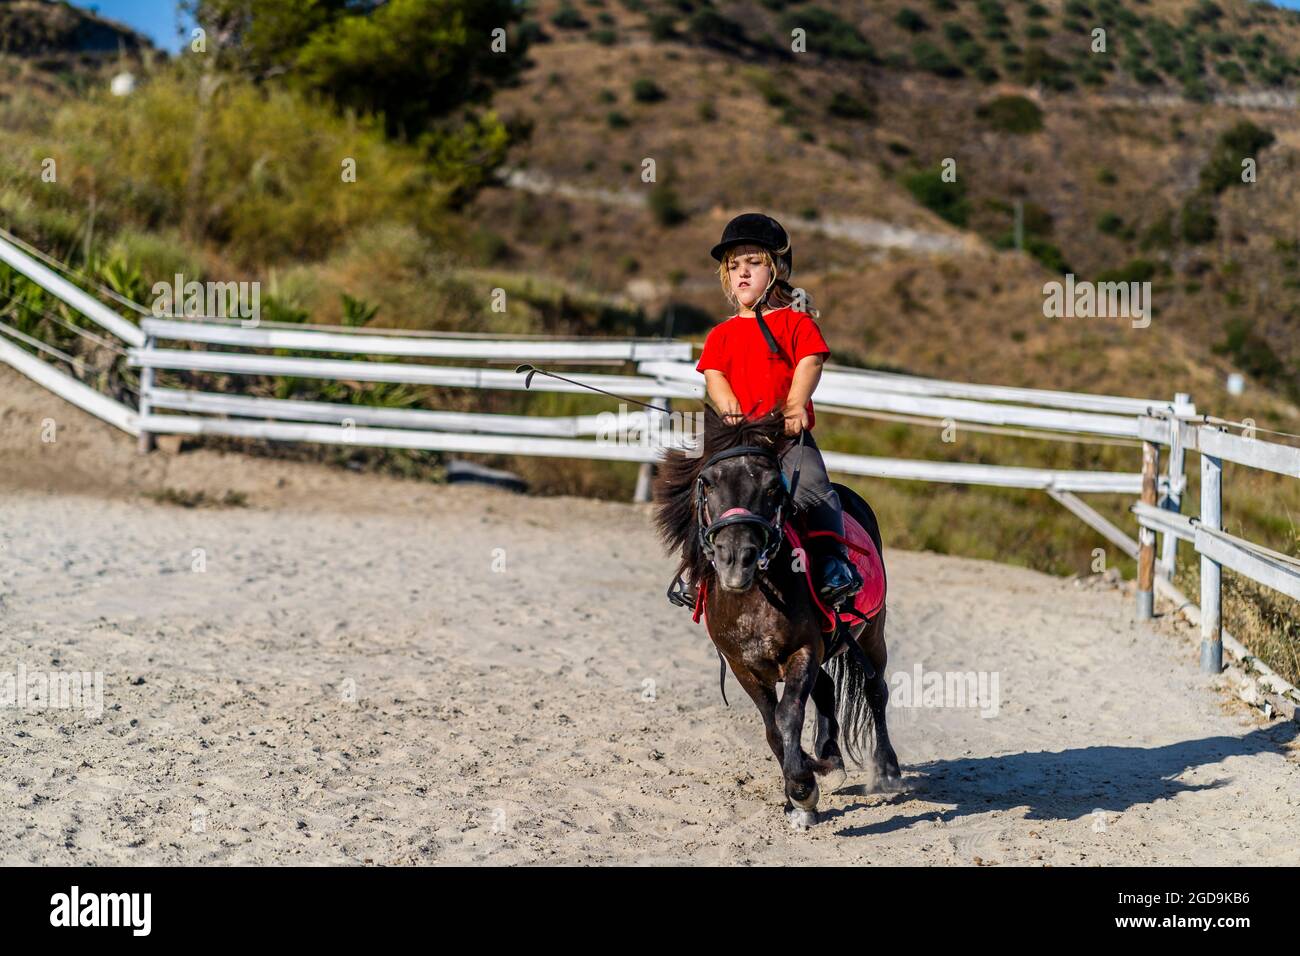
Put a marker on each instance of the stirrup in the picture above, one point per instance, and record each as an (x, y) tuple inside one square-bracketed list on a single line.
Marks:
[(680, 595), (838, 596)]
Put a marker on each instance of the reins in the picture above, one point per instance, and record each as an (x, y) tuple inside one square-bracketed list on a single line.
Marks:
[(532, 370)]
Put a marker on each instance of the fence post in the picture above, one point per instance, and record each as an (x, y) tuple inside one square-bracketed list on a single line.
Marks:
[(1173, 499), (145, 443), (1146, 536), (657, 423), (1211, 573)]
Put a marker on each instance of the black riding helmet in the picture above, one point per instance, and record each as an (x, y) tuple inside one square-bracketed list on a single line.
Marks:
[(754, 228), (757, 229)]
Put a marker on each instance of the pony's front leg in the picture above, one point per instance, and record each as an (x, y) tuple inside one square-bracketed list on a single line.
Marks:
[(800, 784), (764, 699)]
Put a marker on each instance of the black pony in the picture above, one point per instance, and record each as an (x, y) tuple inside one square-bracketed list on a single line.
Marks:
[(724, 513)]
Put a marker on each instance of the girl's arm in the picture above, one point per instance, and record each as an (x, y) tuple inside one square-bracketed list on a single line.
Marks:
[(806, 376), (719, 389)]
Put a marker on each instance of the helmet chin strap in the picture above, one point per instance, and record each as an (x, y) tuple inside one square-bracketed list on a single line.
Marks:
[(758, 316)]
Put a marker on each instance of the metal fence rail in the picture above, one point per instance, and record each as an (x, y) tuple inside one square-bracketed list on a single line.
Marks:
[(357, 342), (1218, 549)]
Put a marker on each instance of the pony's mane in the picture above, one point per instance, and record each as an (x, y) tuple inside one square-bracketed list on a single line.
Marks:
[(674, 484)]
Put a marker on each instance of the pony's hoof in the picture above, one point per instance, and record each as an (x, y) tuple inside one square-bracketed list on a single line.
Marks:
[(834, 778), (809, 802), (889, 779), (800, 819)]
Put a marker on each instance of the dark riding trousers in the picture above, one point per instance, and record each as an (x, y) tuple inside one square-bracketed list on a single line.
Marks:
[(814, 484)]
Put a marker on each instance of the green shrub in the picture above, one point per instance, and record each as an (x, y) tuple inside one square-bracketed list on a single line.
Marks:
[(931, 58), (828, 34), (947, 200), (1137, 270), (270, 185), (911, 21), (713, 28), (1041, 67), (531, 32), (1198, 222), (1243, 140), (846, 106), (955, 33), (1231, 71), (666, 206), (662, 28), (1110, 224), (645, 90), (1160, 234), (157, 256), (1249, 351), (1048, 254), (1205, 12), (992, 12), (569, 19), (1012, 114)]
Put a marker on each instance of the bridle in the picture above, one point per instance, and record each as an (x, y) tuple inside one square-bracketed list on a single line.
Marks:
[(773, 529)]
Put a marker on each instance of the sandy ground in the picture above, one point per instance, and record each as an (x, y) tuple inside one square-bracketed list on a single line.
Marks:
[(352, 669)]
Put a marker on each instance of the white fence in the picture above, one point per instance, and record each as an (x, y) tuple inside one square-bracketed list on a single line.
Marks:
[(666, 371)]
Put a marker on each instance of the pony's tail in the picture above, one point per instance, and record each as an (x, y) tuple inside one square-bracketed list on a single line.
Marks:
[(853, 709)]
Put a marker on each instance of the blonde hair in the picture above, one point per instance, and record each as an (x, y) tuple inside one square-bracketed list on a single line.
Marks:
[(781, 293)]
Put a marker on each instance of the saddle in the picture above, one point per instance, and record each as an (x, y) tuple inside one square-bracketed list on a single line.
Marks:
[(862, 552)]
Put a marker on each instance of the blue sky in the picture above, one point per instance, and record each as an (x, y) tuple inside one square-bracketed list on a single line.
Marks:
[(157, 18)]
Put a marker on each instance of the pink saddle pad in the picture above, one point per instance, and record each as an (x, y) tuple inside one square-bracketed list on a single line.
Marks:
[(871, 598)]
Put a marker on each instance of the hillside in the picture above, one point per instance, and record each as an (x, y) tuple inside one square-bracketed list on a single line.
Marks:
[(1116, 160)]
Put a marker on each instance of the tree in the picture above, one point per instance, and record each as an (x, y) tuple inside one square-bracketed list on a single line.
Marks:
[(412, 61)]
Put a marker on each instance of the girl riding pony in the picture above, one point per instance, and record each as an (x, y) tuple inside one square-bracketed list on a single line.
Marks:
[(759, 360)]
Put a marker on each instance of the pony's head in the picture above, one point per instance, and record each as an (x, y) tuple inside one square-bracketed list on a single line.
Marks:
[(727, 491)]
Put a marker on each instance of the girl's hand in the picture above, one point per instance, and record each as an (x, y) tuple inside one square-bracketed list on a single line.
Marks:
[(730, 411), (796, 419)]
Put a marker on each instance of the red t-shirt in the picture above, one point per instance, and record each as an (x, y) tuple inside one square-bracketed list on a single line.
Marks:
[(761, 380)]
